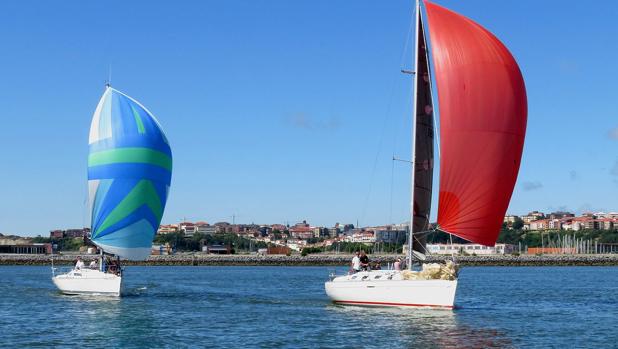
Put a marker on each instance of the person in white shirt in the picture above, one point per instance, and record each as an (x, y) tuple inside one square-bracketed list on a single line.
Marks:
[(94, 264), (356, 264), (79, 264)]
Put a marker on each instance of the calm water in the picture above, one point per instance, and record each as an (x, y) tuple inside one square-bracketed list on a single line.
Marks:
[(270, 307)]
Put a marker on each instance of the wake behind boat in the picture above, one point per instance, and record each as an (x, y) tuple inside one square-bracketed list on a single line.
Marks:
[(129, 174), (483, 111)]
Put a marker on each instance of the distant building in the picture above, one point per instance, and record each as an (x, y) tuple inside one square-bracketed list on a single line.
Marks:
[(607, 223), (296, 244), (335, 230), (560, 214), (223, 227), (31, 248), (302, 232), (584, 222), (217, 249), (554, 224), (187, 228), (265, 230), (69, 233), (552, 250), (76, 233), (205, 228), (366, 237), (533, 216), (160, 250), (278, 250), (541, 224), (510, 219), (56, 234), (279, 227), (449, 249), (167, 229), (390, 236)]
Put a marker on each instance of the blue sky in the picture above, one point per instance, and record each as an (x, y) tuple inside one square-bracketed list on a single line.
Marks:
[(279, 111)]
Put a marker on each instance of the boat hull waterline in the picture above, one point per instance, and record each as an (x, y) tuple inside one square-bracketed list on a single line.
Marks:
[(88, 282), (365, 290)]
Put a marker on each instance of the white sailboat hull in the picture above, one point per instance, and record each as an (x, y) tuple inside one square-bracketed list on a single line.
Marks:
[(374, 288), (88, 281)]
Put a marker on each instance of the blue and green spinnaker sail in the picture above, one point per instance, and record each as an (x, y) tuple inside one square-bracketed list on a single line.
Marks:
[(129, 175)]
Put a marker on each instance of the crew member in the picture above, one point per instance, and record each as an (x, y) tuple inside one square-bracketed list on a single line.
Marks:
[(364, 261), (80, 264), (356, 264)]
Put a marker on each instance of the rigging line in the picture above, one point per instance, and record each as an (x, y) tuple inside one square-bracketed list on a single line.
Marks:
[(405, 47), (109, 76), (390, 211), (379, 151), (401, 65), (387, 114)]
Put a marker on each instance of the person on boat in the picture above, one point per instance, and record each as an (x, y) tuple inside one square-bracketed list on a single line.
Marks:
[(112, 267), (364, 261), (79, 264), (397, 264), (377, 266), (356, 264), (94, 264)]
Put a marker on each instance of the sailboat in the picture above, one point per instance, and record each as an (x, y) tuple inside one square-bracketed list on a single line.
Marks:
[(483, 113), (129, 175)]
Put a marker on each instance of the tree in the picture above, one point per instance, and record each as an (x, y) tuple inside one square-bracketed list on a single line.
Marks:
[(276, 234), (518, 223)]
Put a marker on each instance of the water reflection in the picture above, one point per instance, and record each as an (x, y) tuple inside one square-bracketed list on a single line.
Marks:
[(425, 327)]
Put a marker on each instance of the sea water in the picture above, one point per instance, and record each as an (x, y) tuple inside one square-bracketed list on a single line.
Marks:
[(286, 307)]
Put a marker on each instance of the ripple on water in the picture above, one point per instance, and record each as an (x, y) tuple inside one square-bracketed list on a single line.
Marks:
[(499, 307)]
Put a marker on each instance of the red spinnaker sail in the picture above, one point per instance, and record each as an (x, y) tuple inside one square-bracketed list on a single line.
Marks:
[(483, 111)]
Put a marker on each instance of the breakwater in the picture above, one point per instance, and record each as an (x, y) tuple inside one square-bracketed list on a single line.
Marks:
[(201, 259)]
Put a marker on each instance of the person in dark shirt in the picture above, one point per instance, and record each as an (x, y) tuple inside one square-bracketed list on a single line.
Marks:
[(364, 261)]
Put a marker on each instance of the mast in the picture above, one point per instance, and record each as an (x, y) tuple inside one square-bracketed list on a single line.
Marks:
[(413, 157)]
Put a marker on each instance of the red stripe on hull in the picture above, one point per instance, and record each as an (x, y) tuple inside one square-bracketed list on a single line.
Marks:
[(395, 304)]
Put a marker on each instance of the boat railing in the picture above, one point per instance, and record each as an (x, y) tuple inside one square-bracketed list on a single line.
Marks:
[(61, 270), (66, 270)]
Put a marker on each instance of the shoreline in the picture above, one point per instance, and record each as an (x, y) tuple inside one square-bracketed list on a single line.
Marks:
[(200, 259)]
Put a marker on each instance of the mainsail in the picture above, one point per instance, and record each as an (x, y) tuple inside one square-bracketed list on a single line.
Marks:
[(423, 146), (483, 112), (129, 174)]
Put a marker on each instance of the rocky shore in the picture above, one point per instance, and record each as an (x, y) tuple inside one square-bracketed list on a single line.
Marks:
[(200, 259)]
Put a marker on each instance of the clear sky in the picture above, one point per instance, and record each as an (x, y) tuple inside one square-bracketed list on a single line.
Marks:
[(279, 111)]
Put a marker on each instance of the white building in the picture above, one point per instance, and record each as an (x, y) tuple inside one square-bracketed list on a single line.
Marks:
[(188, 228), (510, 219), (364, 237), (448, 249), (296, 245), (166, 229)]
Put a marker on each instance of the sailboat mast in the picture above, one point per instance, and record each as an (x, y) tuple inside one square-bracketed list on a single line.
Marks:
[(414, 113)]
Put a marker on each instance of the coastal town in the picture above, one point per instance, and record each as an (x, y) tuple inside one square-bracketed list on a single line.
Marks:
[(536, 232)]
